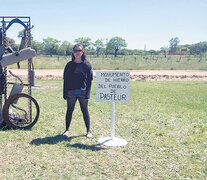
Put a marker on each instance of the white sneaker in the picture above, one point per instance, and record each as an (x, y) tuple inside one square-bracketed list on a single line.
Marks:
[(66, 134), (89, 135)]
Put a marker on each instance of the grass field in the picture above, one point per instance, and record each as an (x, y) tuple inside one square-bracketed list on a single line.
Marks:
[(129, 62), (165, 124)]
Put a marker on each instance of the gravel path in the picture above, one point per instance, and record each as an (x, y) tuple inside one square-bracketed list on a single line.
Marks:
[(145, 75)]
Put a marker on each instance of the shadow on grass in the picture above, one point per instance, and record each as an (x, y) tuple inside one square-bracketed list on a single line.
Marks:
[(52, 140), (95, 147), (59, 138), (4, 127)]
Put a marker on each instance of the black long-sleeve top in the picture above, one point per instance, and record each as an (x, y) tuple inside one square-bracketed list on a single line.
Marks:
[(77, 76)]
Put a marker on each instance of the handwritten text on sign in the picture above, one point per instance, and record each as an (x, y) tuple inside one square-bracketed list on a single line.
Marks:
[(112, 86)]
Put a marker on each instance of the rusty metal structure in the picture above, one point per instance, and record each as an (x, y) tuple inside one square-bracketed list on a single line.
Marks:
[(13, 111)]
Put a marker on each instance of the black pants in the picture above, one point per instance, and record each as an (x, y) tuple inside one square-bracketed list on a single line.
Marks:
[(71, 101)]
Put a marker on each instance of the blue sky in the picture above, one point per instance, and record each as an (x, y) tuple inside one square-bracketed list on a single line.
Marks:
[(139, 22)]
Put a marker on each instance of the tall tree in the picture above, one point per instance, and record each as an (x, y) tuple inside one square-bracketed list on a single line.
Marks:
[(50, 46), (174, 44), (115, 44), (99, 44), (198, 48), (85, 41), (65, 48), (11, 42), (37, 46)]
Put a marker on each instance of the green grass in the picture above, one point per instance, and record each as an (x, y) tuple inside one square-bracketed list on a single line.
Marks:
[(165, 124), (128, 62)]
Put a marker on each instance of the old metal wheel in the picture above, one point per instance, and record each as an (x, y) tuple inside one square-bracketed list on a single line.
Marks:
[(21, 111)]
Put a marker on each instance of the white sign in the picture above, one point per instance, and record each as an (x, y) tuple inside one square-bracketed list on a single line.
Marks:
[(112, 86)]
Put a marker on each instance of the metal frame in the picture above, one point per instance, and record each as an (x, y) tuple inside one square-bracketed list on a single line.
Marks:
[(5, 24)]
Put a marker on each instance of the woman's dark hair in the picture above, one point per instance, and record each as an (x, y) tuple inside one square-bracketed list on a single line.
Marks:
[(83, 57)]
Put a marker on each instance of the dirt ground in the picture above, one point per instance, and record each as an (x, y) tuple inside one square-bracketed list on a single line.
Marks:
[(142, 75)]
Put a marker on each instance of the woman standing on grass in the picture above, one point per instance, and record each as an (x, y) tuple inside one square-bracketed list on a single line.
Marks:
[(77, 77)]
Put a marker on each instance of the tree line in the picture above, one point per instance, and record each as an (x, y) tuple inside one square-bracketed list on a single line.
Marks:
[(115, 46)]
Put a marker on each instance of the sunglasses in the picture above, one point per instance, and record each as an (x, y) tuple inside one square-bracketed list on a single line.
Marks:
[(75, 50)]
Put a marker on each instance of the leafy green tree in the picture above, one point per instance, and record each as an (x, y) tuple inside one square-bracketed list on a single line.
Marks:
[(21, 34), (115, 44), (138, 52), (198, 48), (125, 52), (85, 41), (37, 46), (65, 49), (11, 42), (164, 50), (174, 44), (152, 52), (99, 44), (50, 46), (61, 51)]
